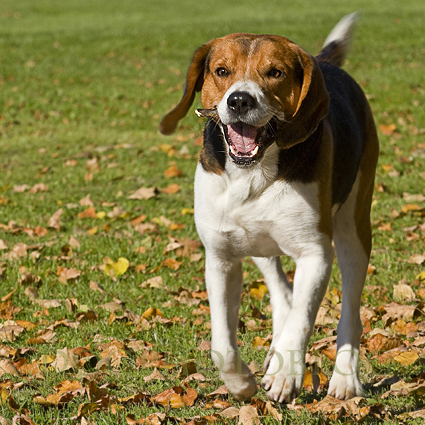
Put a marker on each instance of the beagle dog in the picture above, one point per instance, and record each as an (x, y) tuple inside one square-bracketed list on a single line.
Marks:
[(287, 168)]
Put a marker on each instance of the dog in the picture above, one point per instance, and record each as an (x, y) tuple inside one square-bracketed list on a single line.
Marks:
[(287, 168)]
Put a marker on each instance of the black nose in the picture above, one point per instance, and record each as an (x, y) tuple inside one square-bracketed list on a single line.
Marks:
[(241, 102)]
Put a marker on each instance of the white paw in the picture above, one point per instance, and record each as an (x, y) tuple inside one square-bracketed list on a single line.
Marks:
[(345, 382), (345, 387), (242, 386), (284, 378)]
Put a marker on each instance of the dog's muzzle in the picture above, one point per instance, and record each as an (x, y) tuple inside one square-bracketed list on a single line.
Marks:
[(246, 142)]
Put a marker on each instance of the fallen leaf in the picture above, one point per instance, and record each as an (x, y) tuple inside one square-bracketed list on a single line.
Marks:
[(86, 201), (155, 375), (54, 220), (173, 171), (169, 398), (407, 358), (171, 189), (117, 268), (257, 290), (154, 282), (410, 207), (152, 312), (248, 415), (171, 263), (416, 259), (39, 187), (65, 359), (90, 212), (388, 130), (403, 292), (66, 274), (143, 193), (6, 366), (381, 341), (230, 412), (190, 397)]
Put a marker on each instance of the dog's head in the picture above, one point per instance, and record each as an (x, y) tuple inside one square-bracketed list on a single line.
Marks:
[(261, 88)]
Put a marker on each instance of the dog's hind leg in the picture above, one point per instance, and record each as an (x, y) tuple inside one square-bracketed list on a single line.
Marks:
[(224, 285), (280, 297), (352, 238)]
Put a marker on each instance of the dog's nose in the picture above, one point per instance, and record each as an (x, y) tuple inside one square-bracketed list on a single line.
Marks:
[(241, 102)]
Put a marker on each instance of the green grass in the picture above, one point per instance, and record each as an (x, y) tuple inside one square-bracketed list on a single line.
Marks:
[(86, 81)]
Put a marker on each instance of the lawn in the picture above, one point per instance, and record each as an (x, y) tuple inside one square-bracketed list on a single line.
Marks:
[(104, 317)]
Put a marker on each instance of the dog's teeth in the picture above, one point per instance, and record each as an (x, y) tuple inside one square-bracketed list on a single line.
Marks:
[(255, 151)]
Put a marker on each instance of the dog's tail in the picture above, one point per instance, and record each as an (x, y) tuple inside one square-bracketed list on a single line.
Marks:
[(336, 45)]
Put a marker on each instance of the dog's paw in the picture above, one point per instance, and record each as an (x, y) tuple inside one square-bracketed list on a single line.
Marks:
[(345, 387), (283, 381), (242, 386), (345, 382)]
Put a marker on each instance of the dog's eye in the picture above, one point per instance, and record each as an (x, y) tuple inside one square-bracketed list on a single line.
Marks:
[(275, 73), (222, 72)]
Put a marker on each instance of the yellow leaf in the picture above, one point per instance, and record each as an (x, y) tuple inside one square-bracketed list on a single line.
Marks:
[(257, 290), (92, 231), (188, 211), (118, 268), (410, 207), (407, 358), (101, 214), (421, 276)]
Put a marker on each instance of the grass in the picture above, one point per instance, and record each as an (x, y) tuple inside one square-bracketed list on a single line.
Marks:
[(83, 87)]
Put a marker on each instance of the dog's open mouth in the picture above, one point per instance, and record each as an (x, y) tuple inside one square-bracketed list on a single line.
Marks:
[(247, 143)]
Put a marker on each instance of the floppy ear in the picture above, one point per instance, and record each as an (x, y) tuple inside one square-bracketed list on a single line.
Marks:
[(312, 104), (194, 82)]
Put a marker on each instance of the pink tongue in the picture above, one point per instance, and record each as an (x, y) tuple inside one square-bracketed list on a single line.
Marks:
[(243, 137)]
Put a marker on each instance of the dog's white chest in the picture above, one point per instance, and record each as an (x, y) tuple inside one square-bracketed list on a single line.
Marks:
[(247, 215)]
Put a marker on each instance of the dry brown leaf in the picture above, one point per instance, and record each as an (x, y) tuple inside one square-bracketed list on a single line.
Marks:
[(143, 193), (39, 187), (388, 130), (403, 292), (171, 189), (6, 366), (54, 220), (169, 398), (65, 359), (90, 212), (171, 263), (66, 274), (400, 311), (416, 259), (156, 375), (230, 412), (190, 397), (219, 391), (381, 341), (86, 201), (173, 171), (248, 415)]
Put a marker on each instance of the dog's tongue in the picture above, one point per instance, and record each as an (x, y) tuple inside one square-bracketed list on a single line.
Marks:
[(242, 136)]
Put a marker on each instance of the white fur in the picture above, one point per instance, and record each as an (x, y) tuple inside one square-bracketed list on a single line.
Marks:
[(247, 212), (342, 31), (257, 117)]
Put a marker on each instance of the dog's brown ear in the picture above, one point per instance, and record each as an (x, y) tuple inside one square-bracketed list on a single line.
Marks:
[(194, 82), (312, 104)]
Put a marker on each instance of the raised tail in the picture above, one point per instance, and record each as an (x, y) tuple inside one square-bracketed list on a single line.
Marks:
[(336, 45)]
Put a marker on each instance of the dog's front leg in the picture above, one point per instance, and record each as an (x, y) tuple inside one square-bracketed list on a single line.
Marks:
[(285, 374), (280, 297), (224, 286)]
